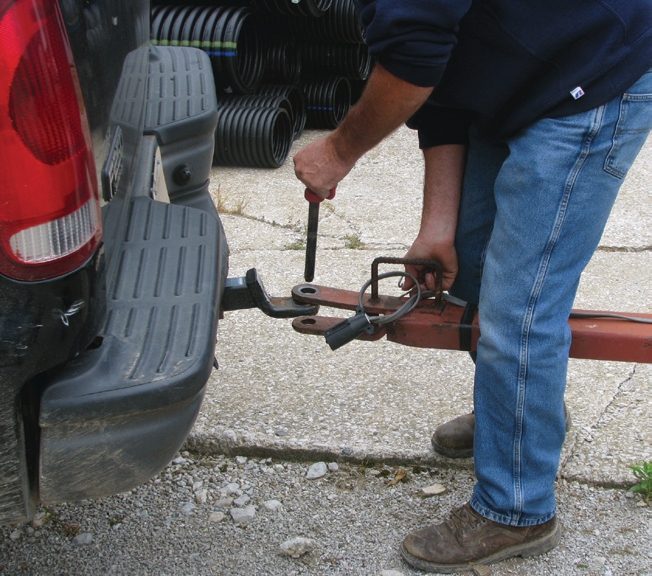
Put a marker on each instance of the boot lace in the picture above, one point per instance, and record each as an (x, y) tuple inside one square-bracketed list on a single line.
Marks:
[(464, 519)]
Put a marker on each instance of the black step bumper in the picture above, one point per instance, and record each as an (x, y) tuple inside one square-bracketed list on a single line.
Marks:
[(117, 414)]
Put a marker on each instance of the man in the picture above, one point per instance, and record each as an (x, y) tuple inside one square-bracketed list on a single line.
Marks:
[(559, 95)]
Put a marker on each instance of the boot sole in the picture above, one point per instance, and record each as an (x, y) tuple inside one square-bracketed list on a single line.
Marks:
[(450, 453), (534, 548)]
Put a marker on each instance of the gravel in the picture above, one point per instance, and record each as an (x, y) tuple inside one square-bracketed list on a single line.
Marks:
[(251, 516)]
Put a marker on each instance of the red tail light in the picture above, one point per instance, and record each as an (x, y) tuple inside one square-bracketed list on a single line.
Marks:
[(49, 205)]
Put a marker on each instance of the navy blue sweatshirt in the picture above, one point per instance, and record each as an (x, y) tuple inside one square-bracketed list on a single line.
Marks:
[(513, 61)]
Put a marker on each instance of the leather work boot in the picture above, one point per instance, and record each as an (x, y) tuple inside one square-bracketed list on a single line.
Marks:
[(455, 437), (467, 539)]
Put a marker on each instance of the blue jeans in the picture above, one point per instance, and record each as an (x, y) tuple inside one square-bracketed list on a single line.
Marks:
[(533, 211)]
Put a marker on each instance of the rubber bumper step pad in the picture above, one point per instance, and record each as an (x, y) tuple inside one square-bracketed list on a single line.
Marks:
[(158, 342)]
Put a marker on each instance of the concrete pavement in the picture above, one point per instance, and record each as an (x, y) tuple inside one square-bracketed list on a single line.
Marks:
[(281, 393)]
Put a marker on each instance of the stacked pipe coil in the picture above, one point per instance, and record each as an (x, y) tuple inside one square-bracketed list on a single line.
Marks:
[(340, 23), (297, 99), (228, 34), (350, 60), (313, 8), (256, 136), (310, 55), (282, 60), (328, 101), (262, 100)]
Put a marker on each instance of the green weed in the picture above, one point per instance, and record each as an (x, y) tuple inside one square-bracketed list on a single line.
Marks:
[(643, 473), (353, 242), (297, 245), (222, 204)]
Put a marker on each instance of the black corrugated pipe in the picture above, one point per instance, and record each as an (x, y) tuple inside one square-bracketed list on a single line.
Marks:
[(313, 8), (253, 136), (350, 60), (327, 101), (282, 61), (227, 34), (297, 98), (340, 23), (262, 100)]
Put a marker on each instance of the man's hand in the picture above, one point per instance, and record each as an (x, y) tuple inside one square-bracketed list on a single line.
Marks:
[(443, 252), (319, 167), (386, 103)]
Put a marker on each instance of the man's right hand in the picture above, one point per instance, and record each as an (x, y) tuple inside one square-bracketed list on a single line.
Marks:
[(319, 167), (387, 102)]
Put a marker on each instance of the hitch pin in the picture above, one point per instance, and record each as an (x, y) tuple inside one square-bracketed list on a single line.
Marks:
[(313, 223)]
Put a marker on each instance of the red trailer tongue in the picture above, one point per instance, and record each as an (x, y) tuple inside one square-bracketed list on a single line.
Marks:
[(443, 323)]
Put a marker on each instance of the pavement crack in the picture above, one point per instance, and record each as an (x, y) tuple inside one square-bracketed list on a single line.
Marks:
[(579, 439), (632, 249)]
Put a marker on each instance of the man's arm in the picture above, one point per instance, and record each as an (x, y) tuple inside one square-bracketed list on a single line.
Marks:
[(386, 103), (441, 201)]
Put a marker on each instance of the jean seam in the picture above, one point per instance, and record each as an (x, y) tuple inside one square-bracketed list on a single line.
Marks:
[(533, 300)]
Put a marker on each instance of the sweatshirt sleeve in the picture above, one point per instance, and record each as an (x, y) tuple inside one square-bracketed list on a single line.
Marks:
[(438, 125), (412, 39)]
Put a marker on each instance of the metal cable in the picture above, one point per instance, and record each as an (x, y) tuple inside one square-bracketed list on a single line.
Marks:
[(404, 309)]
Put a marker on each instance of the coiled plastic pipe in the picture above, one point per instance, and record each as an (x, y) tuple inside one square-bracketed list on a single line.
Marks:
[(350, 60), (327, 101), (340, 23), (253, 136), (228, 34), (297, 99), (282, 61), (314, 8)]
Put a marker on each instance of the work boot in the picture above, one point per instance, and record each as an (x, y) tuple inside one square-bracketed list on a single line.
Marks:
[(468, 539), (455, 438)]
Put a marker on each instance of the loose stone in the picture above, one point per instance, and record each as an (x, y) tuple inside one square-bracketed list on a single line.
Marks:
[(297, 547), (82, 539), (242, 516), (242, 501), (224, 503), (187, 508), (317, 471), (433, 490), (233, 488), (38, 520), (272, 505)]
